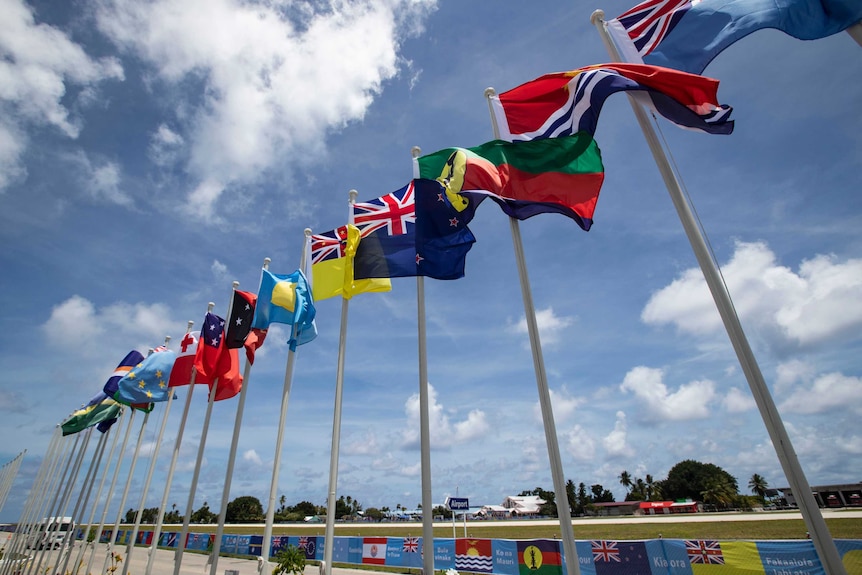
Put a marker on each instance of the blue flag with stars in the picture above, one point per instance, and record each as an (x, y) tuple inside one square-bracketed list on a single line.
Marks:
[(147, 382)]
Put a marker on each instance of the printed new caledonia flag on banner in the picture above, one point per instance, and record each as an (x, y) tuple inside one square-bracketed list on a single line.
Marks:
[(565, 103), (554, 175), (374, 550), (687, 35), (540, 557)]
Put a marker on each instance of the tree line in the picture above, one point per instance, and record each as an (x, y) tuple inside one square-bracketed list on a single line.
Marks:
[(688, 479)]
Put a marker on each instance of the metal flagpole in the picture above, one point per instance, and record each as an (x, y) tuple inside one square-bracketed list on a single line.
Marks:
[(181, 544), (145, 491), (89, 523), (234, 444), (825, 546), (110, 494), (125, 492), (563, 511), (329, 540), (424, 416), (9, 479), (81, 504), (263, 560), (157, 531)]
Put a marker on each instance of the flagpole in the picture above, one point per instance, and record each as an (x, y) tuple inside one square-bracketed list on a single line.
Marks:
[(263, 560), (563, 511), (110, 494), (823, 542), (240, 407), (145, 491), (99, 491), (181, 544), (9, 479), (855, 32), (329, 539), (424, 416), (157, 531), (81, 504)]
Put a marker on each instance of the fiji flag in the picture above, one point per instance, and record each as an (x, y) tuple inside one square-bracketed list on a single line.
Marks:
[(147, 382)]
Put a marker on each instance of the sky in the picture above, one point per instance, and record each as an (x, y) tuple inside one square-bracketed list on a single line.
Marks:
[(153, 152)]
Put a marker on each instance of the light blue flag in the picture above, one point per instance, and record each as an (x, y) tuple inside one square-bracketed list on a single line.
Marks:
[(147, 382), (286, 299), (686, 35)]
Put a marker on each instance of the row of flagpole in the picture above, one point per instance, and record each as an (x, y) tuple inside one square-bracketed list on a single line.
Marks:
[(7, 476)]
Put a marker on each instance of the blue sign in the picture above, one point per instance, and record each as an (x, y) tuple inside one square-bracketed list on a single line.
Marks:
[(458, 503)]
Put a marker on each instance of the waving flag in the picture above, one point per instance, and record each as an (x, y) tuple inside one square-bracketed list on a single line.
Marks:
[(148, 380), (241, 316), (214, 361), (687, 35), (415, 231), (286, 299), (132, 359), (553, 175), (332, 265), (99, 409), (564, 103), (184, 365)]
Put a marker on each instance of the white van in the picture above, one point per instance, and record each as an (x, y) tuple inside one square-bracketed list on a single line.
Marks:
[(51, 532)]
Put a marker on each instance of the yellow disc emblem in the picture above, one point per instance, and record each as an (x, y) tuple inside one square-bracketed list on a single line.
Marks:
[(533, 558), (452, 178)]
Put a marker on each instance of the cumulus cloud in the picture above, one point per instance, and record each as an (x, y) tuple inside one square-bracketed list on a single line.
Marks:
[(100, 179), (616, 442), (146, 323), (251, 456), (819, 303), (738, 400), (551, 326), (564, 405), (276, 79), (579, 444), (37, 62), (690, 401), (444, 432), (827, 392)]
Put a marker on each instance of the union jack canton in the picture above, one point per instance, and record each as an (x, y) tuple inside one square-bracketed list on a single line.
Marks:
[(606, 551), (704, 552), (649, 22), (396, 212)]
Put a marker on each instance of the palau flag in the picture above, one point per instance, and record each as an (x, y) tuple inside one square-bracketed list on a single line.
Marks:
[(552, 175), (564, 103), (100, 408), (687, 35), (147, 382), (286, 298)]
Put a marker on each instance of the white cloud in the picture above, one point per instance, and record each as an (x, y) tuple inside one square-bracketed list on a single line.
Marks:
[(145, 323), (580, 444), (275, 79), (564, 405), (551, 326), (819, 303), (444, 433), (828, 392), (364, 444), (165, 146), (616, 442), (36, 63), (251, 456), (12, 145), (738, 400), (219, 271), (690, 401), (100, 179)]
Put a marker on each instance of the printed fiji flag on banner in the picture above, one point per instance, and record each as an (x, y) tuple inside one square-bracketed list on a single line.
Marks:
[(374, 550), (564, 103), (474, 555), (687, 35), (540, 557), (553, 175)]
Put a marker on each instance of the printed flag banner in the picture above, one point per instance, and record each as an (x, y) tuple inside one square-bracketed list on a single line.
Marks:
[(415, 231), (332, 265), (184, 365), (147, 382), (687, 35), (621, 558), (539, 557), (474, 555), (553, 175), (286, 298), (374, 550), (214, 361), (564, 103), (100, 408)]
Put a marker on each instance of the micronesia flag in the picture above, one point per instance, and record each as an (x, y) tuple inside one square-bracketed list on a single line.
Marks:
[(686, 35)]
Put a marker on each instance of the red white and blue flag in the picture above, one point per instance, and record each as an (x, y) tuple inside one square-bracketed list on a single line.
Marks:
[(704, 552), (606, 551), (328, 245), (410, 545), (396, 212)]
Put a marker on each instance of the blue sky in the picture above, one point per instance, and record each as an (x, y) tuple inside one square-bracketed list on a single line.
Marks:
[(151, 153)]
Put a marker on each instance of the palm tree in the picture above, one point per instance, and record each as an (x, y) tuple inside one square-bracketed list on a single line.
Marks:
[(626, 480), (281, 501), (652, 488), (718, 491), (758, 485)]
